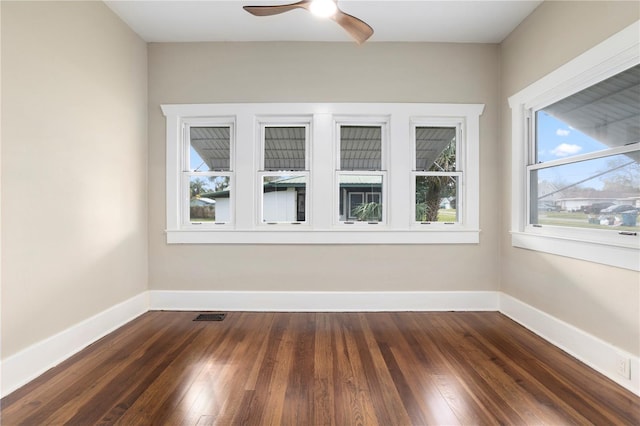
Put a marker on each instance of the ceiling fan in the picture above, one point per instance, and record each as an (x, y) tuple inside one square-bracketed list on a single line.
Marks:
[(358, 29)]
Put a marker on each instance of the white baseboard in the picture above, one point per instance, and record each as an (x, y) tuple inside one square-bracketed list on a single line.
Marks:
[(596, 353), (324, 301), (26, 365)]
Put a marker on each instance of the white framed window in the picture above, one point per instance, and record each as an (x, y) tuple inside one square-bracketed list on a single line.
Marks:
[(207, 173), (283, 178), (296, 193), (361, 174), (437, 180), (576, 157)]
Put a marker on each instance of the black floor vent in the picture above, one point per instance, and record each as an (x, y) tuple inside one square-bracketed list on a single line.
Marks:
[(210, 317)]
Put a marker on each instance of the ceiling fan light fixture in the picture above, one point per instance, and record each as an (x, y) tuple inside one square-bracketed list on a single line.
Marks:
[(357, 28), (323, 8)]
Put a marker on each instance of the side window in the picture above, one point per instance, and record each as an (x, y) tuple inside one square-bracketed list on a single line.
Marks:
[(209, 174), (361, 175), (284, 178), (437, 176), (575, 169), (584, 165)]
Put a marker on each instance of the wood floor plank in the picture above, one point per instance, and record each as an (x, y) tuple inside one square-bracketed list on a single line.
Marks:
[(352, 396), (384, 394), (454, 385), (299, 399), (385, 368), (387, 337), (324, 413), (419, 392)]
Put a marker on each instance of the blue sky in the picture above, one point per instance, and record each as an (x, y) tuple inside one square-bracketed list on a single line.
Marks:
[(196, 162), (557, 140)]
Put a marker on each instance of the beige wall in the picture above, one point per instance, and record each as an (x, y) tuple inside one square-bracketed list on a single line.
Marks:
[(74, 152), (323, 72), (600, 300)]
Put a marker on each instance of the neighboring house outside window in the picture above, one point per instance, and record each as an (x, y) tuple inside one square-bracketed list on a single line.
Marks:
[(576, 163), (284, 173), (361, 173), (209, 172), (322, 173)]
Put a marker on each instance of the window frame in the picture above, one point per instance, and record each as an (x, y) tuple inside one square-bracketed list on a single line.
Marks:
[(363, 121), (321, 208), (184, 215), (262, 123), (612, 56), (461, 161)]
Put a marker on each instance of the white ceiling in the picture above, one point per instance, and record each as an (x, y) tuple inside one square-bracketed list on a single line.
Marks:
[(475, 21)]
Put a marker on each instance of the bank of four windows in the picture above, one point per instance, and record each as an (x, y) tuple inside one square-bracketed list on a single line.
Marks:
[(322, 173)]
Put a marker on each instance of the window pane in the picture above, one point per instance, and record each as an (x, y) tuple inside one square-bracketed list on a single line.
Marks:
[(209, 149), (284, 148), (436, 198), (605, 115), (436, 149), (361, 198), (283, 198), (600, 193), (209, 201), (360, 148)]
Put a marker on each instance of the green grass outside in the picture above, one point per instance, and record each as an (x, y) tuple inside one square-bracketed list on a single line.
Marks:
[(447, 215), (578, 220)]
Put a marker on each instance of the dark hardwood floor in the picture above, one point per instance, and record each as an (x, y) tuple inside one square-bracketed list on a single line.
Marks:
[(321, 369)]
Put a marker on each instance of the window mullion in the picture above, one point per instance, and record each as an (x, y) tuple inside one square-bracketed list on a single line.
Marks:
[(247, 136), (322, 164)]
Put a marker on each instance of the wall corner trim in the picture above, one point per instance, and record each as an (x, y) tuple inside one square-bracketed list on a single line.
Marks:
[(594, 352), (24, 366)]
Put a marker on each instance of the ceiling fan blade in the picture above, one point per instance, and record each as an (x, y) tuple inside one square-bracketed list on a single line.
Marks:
[(275, 10), (357, 28)]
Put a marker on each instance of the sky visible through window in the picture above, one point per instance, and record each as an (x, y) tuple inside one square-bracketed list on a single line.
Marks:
[(197, 163), (557, 140)]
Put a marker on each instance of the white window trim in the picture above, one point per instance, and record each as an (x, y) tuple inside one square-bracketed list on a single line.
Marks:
[(462, 159), (182, 215), (322, 228), (284, 121), (617, 53), (383, 122)]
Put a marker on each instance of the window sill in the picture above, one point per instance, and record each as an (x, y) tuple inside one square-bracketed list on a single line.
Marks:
[(625, 256), (347, 236)]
